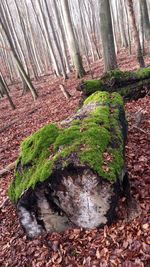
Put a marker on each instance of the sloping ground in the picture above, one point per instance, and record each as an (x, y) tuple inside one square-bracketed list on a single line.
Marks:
[(125, 243)]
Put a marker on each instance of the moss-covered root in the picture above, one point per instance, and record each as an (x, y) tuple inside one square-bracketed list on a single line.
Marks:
[(118, 81), (93, 138)]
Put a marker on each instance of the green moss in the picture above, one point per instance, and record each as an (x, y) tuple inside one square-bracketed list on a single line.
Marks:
[(34, 154), (36, 145), (88, 139), (143, 73), (120, 77), (90, 86), (98, 97), (116, 99), (117, 74)]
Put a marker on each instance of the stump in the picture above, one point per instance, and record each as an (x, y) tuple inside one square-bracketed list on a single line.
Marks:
[(72, 176), (130, 85)]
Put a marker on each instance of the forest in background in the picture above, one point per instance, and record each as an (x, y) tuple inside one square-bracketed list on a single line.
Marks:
[(35, 50), (56, 37)]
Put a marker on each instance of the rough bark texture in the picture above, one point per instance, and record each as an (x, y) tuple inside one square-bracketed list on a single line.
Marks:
[(131, 85), (72, 176)]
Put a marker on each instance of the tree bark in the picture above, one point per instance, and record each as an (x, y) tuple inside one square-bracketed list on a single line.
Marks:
[(5, 90), (109, 55), (146, 21), (74, 50), (18, 63), (139, 54)]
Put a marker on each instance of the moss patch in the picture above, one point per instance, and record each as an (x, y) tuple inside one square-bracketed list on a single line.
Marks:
[(117, 74), (87, 139), (90, 86), (117, 77), (33, 160), (143, 73)]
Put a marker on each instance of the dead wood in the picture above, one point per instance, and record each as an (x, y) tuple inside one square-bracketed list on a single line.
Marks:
[(64, 91), (8, 168), (79, 182)]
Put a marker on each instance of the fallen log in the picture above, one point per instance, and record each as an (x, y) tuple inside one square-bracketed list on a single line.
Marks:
[(72, 176), (130, 85)]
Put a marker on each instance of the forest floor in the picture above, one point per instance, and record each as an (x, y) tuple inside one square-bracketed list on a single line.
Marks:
[(126, 242)]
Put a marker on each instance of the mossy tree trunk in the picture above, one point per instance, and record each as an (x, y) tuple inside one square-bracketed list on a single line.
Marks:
[(72, 176), (131, 85)]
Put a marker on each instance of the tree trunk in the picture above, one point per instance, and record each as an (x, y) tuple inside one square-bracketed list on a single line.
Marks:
[(139, 54), (146, 21), (5, 90), (74, 50), (131, 85), (19, 65), (109, 55), (77, 172)]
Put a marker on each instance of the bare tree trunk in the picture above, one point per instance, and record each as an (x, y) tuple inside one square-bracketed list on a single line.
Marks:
[(18, 63), (140, 58), (146, 21), (44, 29), (128, 29), (62, 35), (109, 54), (56, 43), (141, 29), (74, 50), (122, 25), (4, 87)]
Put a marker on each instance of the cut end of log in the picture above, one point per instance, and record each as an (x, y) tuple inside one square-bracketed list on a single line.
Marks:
[(75, 197)]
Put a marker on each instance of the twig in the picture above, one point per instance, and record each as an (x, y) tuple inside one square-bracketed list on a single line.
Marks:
[(4, 203), (8, 125), (8, 168), (134, 126), (64, 91)]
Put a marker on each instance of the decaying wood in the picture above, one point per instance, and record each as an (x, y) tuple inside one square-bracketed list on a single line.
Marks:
[(8, 168), (4, 203), (64, 91), (74, 195), (132, 87)]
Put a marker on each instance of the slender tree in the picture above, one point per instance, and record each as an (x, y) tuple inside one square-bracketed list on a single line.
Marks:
[(146, 21), (18, 62), (4, 89), (72, 43), (139, 54), (109, 54)]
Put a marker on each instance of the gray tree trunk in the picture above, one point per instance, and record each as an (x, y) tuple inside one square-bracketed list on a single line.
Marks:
[(5, 90), (146, 21), (109, 55), (18, 63), (73, 47), (139, 54)]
